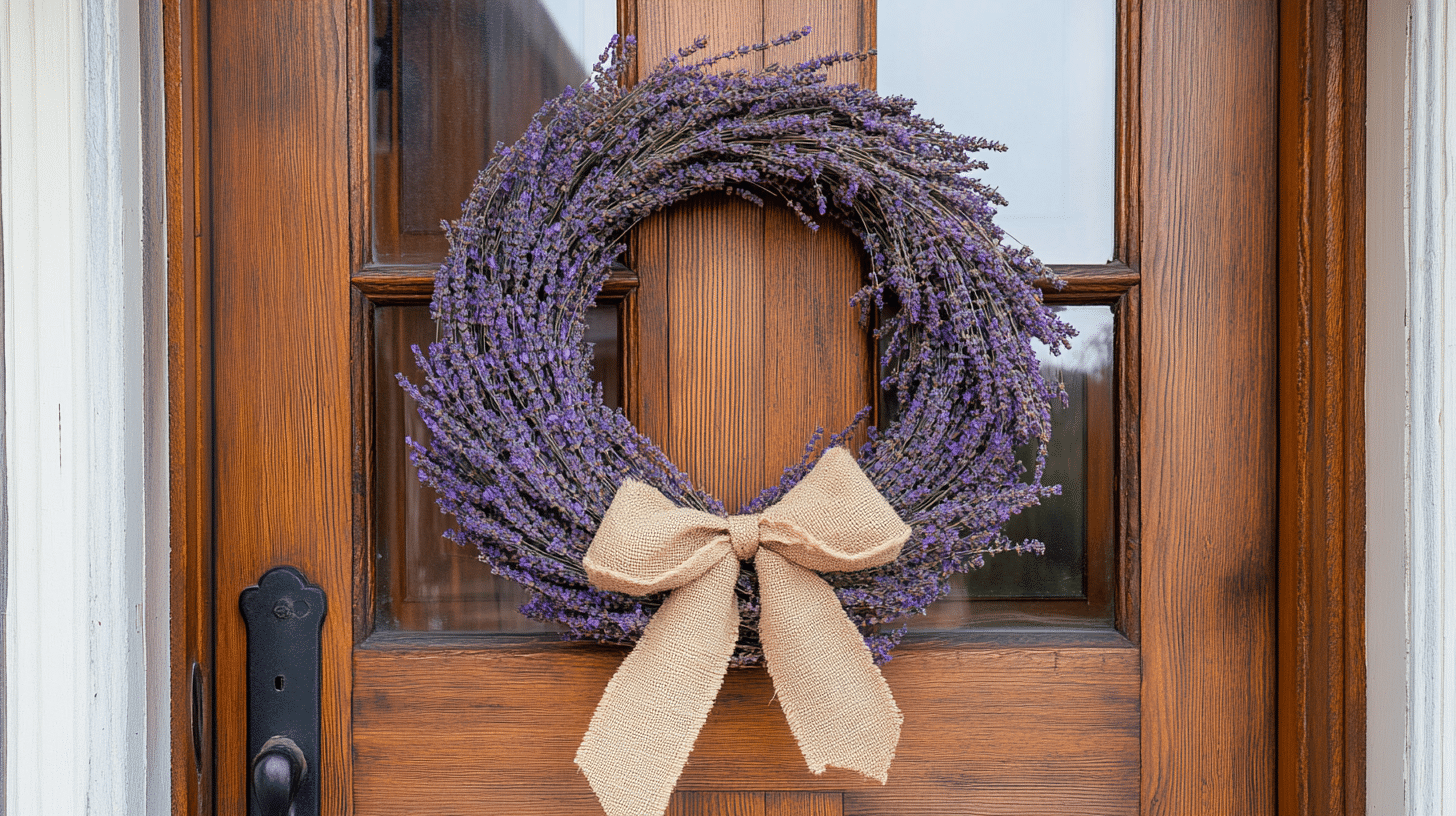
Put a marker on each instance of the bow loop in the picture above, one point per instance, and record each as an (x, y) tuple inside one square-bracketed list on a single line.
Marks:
[(646, 544), (834, 520)]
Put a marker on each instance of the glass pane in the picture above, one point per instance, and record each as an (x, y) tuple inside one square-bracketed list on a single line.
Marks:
[(424, 581), (1076, 526), (452, 78), (1036, 75)]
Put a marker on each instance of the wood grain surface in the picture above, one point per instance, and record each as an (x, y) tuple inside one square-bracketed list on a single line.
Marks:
[(846, 25), (280, 267), (968, 744), (386, 285), (189, 415), (716, 346), (818, 371), (1322, 403), (801, 803), (1208, 406), (1128, 375), (709, 803), (755, 803), (762, 347), (1127, 205), (1127, 252), (1099, 283)]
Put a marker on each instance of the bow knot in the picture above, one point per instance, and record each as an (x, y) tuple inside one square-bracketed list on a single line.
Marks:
[(833, 520), (743, 535)]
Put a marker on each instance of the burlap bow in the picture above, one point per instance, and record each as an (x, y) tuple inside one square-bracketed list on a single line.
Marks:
[(838, 706)]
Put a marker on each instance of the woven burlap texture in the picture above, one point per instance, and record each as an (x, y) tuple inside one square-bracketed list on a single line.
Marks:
[(837, 704)]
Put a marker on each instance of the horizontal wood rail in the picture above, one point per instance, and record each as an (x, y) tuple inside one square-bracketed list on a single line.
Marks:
[(1090, 283), (396, 285), (415, 283)]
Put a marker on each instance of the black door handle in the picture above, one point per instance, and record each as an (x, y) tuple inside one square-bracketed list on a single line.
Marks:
[(284, 614), (278, 770)]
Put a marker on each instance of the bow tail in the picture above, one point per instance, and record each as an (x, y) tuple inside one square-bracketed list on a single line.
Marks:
[(838, 705), (655, 705)]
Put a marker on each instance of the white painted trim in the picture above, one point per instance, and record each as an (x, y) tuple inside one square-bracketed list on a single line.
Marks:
[(1387, 429), (86, 624), (1432, 311), (157, 468), (1411, 392)]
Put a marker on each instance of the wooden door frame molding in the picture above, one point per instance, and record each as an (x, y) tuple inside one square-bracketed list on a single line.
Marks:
[(1321, 555), (189, 417), (1321, 279)]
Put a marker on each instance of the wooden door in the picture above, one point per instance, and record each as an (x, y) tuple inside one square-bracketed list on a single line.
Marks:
[(1167, 710)]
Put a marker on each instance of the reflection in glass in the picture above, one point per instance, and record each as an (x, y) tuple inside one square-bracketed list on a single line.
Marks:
[(1076, 526), (425, 582), (1036, 75), (452, 79)]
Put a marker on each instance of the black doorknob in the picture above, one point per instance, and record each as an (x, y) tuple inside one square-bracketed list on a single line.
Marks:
[(278, 769), (284, 614)]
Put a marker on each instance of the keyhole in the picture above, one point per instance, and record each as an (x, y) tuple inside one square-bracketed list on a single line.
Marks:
[(278, 682)]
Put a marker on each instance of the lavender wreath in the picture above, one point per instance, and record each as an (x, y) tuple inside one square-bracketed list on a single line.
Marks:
[(522, 450)]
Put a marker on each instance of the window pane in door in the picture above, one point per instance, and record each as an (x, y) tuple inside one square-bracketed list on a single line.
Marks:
[(1076, 526), (428, 583), (425, 582), (451, 79), (1035, 75)]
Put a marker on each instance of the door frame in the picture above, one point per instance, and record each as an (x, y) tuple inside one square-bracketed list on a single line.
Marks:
[(1321, 535), (1320, 708)]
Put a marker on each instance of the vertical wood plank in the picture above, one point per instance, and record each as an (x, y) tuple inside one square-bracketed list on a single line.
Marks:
[(280, 264), (762, 345), (1208, 430), (802, 803), (717, 346), (818, 366), (362, 406), (716, 803), (664, 26), (1128, 200), (838, 26), (712, 424)]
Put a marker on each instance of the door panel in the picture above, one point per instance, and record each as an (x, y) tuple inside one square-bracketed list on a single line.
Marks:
[(1176, 719), (1048, 723)]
